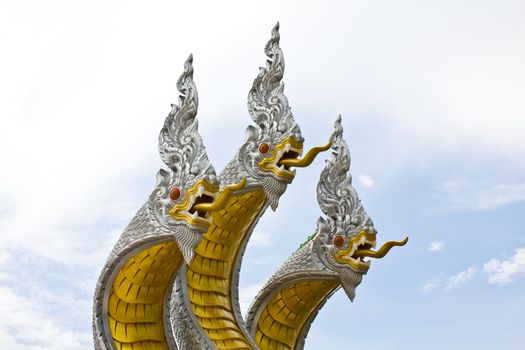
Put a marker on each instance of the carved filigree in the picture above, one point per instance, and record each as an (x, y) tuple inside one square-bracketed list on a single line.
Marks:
[(336, 196), (267, 104), (274, 122), (345, 216), (182, 149)]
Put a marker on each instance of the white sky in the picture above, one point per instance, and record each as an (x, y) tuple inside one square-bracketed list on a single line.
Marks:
[(432, 99)]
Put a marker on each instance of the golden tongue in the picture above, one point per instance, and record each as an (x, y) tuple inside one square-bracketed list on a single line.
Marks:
[(308, 158), (381, 252), (221, 201)]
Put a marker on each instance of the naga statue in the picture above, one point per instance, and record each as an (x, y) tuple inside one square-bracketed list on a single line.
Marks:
[(130, 297), (171, 280), (335, 256)]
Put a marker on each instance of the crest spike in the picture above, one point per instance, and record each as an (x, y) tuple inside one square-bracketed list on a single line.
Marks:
[(267, 103), (180, 144), (274, 40), (186, 74), (336, 196), (338, 129)]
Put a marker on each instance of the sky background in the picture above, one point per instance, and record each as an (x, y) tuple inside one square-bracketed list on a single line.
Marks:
[(432, 95)]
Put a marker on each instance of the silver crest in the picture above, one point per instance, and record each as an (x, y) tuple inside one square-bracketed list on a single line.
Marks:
[(274, 122), (344, 213), (267, 104), (182, 149), (336, 196)]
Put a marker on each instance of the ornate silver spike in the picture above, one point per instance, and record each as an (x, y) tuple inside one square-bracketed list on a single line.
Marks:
[(267, 104), (180, 145), (336, 196)]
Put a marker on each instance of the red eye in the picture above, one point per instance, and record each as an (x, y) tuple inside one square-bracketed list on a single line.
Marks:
[(339, 240), (175, 193), (264, 148)]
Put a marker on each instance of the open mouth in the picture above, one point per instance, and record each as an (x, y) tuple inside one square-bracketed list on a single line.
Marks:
[(291, 153), (203, 198), (286, 155), (360, 242), (278, 164), (360, 250), (189, 211)]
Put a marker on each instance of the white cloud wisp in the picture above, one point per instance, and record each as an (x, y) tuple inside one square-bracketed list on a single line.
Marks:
[(505, 271), (436, 246)]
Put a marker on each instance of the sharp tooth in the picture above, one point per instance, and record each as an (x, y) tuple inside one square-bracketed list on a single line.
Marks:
[(281, 167)]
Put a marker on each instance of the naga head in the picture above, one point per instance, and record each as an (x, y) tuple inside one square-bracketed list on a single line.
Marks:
[(346, 235), (190, 178), (274, 143)]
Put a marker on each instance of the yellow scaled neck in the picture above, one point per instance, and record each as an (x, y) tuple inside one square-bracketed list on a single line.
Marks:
[(136, 301), (283, 319), (210, 274)]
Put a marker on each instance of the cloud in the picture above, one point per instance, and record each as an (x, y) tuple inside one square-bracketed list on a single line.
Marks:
[(261, 239), (505, 271), (432, 285), (445, 283), (365, 181), (31, 326), (436, 246), (464, 196), (246, 295), (42, 306), (462, 277), (497, 271)]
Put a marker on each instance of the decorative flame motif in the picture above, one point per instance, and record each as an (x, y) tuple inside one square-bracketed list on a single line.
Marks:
[(267, 104), (345, 215), (182, 149), (275, 142), (180, 144), (335, 194)]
